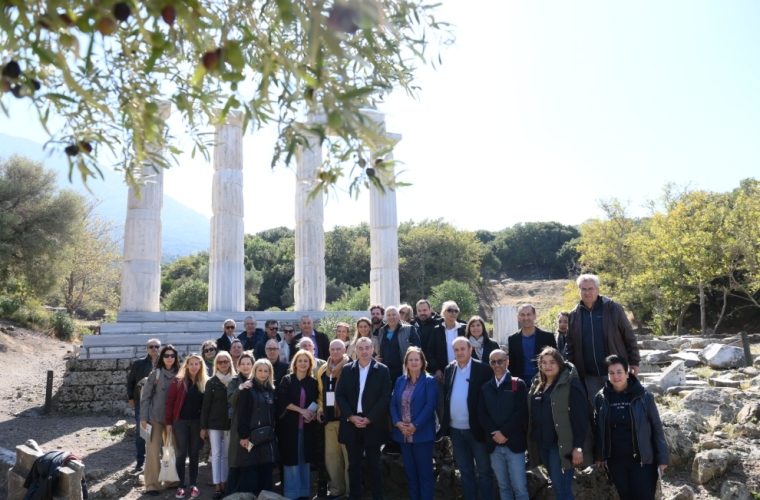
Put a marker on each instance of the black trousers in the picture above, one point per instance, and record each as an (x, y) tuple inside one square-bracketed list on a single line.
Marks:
[(355, 463), (632, 480)]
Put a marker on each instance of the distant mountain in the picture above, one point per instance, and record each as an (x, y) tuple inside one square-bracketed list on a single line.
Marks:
[(185, 231)]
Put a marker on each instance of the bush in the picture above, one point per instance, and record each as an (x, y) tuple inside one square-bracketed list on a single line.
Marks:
[(353, 299), (459, 293), (9, 306), (63, 325), (189, 296), (327, 324)]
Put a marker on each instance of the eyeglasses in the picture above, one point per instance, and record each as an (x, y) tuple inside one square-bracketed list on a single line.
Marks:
[(289, 332), (229, 327), (272, 328), (495, 362), (209, 349), (273, 348), (154, 347), (170, 356), (452, 310)]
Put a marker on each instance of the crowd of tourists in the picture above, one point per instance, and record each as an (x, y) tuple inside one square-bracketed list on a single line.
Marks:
[(405, 380)]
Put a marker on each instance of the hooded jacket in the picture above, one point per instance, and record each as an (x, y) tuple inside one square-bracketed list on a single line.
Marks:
[(153, 406), (649, 442)]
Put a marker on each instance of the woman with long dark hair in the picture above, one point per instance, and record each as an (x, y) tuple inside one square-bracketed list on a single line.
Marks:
[(183, 419), (559, 434), (256, 423), (215, 420), (363, 329), (482, 344), (153, 411), (239, 383), (296, 406), (630, 440)]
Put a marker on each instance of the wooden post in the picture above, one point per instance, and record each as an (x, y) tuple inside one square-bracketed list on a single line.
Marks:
[(49, 392), (747, 352)]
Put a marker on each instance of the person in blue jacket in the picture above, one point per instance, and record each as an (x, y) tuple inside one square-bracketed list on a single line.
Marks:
[(413, 404)]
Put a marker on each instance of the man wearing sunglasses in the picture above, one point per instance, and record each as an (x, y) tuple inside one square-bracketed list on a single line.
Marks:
[(139, 370), (503, 412), (270, 333), (441, 338), (224, 342)]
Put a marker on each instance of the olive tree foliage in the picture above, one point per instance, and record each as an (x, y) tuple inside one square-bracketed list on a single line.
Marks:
[(38, 223), (102, 67)]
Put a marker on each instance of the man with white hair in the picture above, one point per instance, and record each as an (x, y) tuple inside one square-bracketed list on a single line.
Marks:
[(598, 327), (308, 345), (394, 339)]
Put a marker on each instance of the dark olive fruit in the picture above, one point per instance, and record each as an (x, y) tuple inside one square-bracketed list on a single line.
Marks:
[(169, 14), (12, 70), (211, 59), (121, 11), (371, 172), (36, 84), (66, 19), (379, 162), (86, 146), (309, 93), (72, 150), (362, 162), (341, 18), (106, 25)]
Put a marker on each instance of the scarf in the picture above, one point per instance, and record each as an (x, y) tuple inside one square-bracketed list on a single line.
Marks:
[(337, 368), (477, 344), (224, 379)]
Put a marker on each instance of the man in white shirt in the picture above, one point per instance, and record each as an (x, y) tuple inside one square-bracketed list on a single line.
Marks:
[(462, 382), (363, 397)]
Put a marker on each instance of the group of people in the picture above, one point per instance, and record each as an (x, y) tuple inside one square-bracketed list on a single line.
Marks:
[(564, 401)]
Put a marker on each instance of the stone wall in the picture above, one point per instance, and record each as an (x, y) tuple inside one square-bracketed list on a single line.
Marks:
[(94, 386)]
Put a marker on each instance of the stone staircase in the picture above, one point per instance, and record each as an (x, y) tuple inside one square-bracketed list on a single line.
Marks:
[(186, 330)]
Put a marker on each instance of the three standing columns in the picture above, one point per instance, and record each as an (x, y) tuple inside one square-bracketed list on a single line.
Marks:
[(141, 275), (226, 290), (310, 281)]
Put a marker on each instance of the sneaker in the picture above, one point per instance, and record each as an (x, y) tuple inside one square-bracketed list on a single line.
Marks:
[(218, 495), (180, 493), (195, 492), (138, 468)]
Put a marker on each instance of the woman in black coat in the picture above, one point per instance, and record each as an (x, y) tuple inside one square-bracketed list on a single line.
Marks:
[(256, 410), (476, 333), (296, 431), (630, 440)]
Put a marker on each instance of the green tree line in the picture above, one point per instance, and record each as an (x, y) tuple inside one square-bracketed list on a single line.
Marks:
[(696, 252)]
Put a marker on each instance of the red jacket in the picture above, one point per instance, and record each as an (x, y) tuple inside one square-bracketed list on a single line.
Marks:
[(175, 400)]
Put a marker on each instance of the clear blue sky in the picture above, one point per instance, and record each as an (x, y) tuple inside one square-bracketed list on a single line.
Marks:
[(541, 109)]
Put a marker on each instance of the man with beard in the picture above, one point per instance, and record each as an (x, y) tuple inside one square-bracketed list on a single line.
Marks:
[(424, 322), (376, 313)]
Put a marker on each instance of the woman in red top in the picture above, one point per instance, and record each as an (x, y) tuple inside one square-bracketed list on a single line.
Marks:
[(183, 418)]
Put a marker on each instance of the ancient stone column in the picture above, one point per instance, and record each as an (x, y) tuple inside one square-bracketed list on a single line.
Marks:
[(504, 323), (309, 289), (141, 275), (383, 276), (226, 288)]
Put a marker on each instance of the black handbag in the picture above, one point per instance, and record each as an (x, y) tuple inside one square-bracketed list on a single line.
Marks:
[(261, 435)]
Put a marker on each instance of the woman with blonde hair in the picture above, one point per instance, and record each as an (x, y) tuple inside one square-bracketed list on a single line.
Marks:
[(215, 420), (183, 418), (239, 383), (256, 423), (296, 408), (343, 332), (363, 329), (153, 411)]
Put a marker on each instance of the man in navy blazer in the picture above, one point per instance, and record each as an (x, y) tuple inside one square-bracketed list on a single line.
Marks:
[(463, 379), (525, 345), (363, 396)]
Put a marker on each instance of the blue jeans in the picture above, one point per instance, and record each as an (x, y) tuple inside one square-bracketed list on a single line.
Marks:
[(297, 477), (562, 480), (509, 469), (418, 462), (139, 441), (467, 450)]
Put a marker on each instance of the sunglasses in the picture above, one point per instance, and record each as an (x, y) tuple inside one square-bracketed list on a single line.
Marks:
[(273, 348), (452, 310), (229, 327), (209, 349), (495, 362), (154, 347), (170, 356), (222, 362), (272, 328)]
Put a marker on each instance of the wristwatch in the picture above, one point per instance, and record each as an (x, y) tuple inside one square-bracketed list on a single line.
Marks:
[(579, 450)]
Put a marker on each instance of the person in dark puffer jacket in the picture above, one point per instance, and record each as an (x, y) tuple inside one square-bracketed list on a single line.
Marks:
[(215, 420), (630, 440), (256, 409)]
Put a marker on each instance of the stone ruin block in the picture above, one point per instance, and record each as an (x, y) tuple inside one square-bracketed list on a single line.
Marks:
[(68, 486), (675, 375)]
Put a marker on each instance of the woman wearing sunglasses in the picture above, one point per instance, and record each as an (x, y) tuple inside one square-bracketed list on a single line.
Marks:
[(153, 411), (215, 420), (208, 350)]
